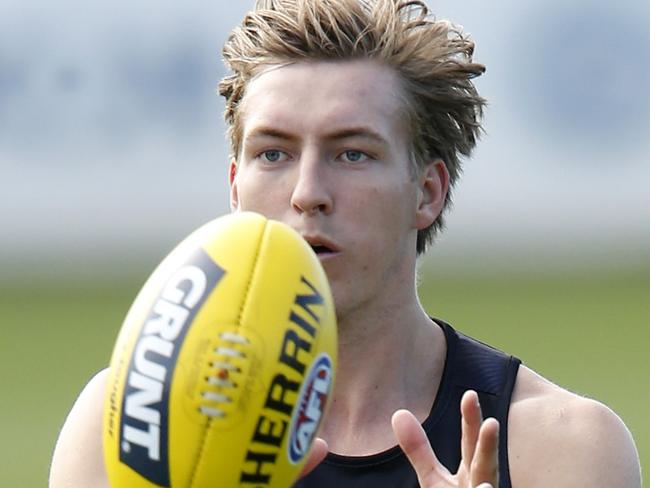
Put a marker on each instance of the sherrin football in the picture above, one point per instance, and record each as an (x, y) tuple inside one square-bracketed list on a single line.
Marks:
[(222, 369)]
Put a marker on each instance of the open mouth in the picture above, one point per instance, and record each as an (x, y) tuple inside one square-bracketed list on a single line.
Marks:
[(320, 249), (322, 246)]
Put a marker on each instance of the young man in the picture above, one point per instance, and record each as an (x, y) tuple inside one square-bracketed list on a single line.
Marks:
[(347, 121)]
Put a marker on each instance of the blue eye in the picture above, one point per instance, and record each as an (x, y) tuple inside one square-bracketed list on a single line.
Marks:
[(353, 156), (272, 155)]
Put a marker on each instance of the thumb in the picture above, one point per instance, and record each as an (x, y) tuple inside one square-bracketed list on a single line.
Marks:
[(318, 452)]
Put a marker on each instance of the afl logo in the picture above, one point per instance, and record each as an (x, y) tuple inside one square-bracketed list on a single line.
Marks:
[(310, 407)]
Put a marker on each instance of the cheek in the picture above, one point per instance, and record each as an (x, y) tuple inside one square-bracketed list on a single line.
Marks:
[(258, 193), (383, 219), (394, 208)]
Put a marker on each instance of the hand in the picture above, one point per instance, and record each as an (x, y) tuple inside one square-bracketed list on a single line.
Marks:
[(479, 449), (318, 452)]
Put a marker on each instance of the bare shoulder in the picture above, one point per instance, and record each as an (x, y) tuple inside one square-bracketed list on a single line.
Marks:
[(78, 458), (560, 439)]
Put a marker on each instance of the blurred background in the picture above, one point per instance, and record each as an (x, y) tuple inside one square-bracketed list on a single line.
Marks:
[(112, 150)]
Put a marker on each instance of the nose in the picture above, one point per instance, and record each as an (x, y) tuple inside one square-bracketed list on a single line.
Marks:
[(311, 192)]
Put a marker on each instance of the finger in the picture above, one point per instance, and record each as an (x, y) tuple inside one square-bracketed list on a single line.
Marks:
[(484, 485), (471, 423), (415, 444), (485, 465), (318, 452)]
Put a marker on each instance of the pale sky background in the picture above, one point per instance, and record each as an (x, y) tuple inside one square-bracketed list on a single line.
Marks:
[(112, 146)]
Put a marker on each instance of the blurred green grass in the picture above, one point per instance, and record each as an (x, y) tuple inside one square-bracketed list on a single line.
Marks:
[(587, 331)]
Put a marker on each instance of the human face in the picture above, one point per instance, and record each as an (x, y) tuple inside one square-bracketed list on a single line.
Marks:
[(324, 150)]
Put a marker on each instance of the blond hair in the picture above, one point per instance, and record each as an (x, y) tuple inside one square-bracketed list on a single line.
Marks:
[(433, 60)]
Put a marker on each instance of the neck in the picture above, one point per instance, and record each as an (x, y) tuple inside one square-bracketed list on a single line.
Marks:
[(390, 357)]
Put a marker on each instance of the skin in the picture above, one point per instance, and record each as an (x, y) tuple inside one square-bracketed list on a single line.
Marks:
[(336, 186), (324, 150)]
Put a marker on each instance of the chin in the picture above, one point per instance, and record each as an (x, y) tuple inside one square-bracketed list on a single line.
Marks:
[(341, 301), (346, 303), (349, 294)]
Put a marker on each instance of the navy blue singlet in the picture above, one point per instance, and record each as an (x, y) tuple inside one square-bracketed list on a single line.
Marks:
[(469, 364)]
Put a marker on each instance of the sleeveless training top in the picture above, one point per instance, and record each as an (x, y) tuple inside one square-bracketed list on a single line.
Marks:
[(469, 364)]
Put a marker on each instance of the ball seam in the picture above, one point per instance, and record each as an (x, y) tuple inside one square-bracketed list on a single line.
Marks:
[(238, 324)]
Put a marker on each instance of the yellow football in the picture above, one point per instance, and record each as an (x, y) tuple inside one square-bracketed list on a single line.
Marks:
[(222, 369)]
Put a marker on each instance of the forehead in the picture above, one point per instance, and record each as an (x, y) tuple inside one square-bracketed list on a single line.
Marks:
[(312, 97)]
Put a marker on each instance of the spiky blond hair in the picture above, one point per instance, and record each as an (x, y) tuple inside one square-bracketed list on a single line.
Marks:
[(433, 60)]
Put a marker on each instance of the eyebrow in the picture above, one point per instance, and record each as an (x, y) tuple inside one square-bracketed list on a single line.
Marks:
[(362, 132), (346, 133), (271, 132)]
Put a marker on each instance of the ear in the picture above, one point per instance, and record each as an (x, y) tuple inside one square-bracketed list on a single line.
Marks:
[(232, 179), (433, 185)]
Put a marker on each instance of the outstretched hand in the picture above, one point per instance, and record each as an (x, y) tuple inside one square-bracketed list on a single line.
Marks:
[(318, 452), (479, 449)]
